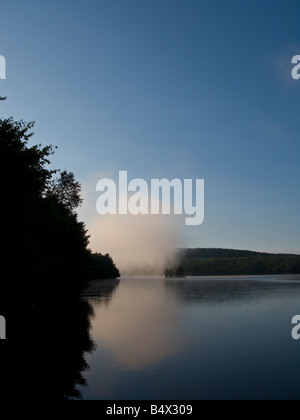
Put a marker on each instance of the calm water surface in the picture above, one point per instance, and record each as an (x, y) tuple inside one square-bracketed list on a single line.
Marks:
[(197, 338)]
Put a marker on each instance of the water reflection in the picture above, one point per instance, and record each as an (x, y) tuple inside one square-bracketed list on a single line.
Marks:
[(140, 327), (195, 339), (45, 354), (230, 291), (154, 339), (101, 291)]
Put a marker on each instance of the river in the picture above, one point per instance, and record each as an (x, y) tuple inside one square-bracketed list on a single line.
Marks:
[(193, 339)]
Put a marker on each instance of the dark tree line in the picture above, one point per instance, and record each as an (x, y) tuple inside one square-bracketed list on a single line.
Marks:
[(242, 266), (45, 265), (177, 272), (222, 253), (102, 267), (226, 262), (44, 246)]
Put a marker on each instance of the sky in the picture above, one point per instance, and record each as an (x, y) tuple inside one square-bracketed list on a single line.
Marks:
[(166, 89)]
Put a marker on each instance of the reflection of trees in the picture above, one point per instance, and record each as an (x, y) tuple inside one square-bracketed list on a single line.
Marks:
[(101, 291), (44, 356)]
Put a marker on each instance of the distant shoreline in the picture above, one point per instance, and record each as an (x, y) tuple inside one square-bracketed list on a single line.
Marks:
[(228, 262)]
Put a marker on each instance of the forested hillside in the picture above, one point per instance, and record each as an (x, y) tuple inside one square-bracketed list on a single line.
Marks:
[(221, 262)]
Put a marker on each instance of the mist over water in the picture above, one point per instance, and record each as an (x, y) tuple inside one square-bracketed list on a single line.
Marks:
[(138, 244)]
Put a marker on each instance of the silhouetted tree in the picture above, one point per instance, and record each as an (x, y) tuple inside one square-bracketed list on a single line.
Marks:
[(44, 246), (103, 267), (45, 264), (179, 272), (171, 273), (66, 190)]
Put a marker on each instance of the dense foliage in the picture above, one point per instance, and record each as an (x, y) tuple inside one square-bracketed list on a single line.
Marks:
[(226, 262), (45, 264), (102, 267), (242, 266), (45, 247), (177, 272), (219, 253)]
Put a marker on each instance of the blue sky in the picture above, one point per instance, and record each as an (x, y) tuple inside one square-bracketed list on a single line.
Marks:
[(168, 88)]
